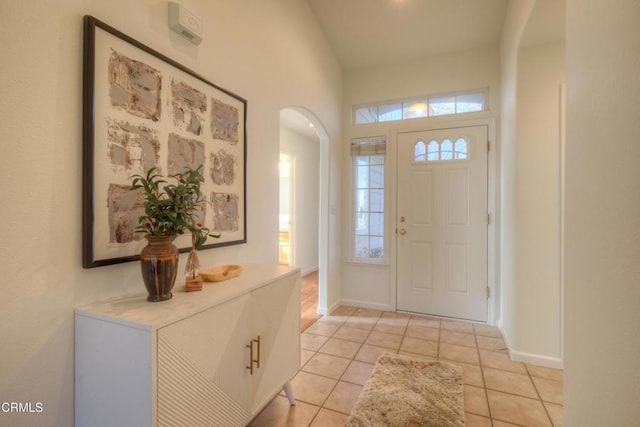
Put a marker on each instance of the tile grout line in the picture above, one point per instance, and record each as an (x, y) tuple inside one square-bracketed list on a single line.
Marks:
[(535, 387), (354, 356), (339, 379), (528, 373), (404, 334), (321, 406), (323, 376), (484, 382)]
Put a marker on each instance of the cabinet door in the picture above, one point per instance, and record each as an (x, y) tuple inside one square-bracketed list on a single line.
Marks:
[(276, 317), (202, 375)]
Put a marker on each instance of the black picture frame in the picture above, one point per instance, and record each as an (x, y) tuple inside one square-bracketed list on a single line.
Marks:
[(142, 109)]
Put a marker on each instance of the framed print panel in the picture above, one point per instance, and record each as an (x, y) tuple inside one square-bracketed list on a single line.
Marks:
[(143, 110)]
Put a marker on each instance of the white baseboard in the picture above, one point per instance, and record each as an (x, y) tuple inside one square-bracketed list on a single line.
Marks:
[(367, 304), (308, 270), (536, 359), (326, 310), (531, 358)]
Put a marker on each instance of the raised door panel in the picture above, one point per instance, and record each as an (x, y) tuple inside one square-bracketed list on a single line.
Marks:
[(421, 257), (202, 375), (457, 273), (457, 197), (422, 197), (276, 316)]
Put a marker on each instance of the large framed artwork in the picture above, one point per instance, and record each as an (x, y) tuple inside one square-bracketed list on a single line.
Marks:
[(143, 110)]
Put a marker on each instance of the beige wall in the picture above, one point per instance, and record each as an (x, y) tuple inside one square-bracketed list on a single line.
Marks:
[(602, 284), (271, 53), (531, 193), (538, 300), (515, 22)]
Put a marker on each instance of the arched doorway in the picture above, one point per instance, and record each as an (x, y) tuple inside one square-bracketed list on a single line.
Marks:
[(298, 120)]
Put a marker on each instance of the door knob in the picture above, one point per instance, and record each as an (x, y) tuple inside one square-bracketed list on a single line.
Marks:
[(402, 231)]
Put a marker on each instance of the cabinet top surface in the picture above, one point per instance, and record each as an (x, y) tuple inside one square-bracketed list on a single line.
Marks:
[(137, 312)]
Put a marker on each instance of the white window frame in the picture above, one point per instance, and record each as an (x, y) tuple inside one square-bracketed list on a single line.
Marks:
[(353, 257)]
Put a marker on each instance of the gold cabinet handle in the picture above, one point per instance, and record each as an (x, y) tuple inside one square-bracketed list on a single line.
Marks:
[(402, 231), (250, 347), (251, 359), (258, 360)]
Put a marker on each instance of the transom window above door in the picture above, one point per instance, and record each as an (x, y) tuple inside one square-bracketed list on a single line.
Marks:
[(442, 150), (425, 106)]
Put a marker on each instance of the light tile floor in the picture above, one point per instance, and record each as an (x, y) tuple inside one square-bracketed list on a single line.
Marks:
[(339, 350)]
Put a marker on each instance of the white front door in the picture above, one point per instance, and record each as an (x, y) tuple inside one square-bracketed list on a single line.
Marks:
[(442, 222)]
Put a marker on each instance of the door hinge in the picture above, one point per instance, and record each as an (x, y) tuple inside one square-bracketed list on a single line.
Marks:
[(488, 146), (488, 219), (488, 292)]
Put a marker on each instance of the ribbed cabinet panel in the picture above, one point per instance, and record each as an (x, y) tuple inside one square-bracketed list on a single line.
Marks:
[(187, 398), (202, 375)]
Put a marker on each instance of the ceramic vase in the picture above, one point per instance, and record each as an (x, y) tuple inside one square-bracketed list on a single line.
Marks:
[(159, 264)]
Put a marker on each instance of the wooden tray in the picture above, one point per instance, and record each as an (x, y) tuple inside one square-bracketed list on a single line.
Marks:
[(220, 273)]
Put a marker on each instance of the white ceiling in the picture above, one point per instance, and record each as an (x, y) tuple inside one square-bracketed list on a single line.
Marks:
[(369, 33), (298, 123)]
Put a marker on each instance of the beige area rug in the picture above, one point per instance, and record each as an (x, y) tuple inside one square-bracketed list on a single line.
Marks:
[(405, 391)]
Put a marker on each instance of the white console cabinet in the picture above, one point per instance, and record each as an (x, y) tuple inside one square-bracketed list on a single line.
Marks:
[(209, 358)]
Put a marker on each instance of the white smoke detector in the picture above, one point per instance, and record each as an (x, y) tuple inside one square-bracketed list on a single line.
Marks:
[(185, 23)]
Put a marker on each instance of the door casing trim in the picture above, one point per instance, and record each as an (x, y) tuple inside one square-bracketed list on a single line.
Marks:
[(493, 181)]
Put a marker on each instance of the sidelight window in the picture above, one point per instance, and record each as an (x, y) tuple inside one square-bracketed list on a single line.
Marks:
[(368, 164)]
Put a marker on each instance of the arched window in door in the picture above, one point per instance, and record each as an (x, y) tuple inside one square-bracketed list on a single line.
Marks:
[(433, 150), (420, 151), (461, 149), (446, 150)]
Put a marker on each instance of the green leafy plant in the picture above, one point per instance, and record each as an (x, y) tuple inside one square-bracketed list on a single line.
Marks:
[(172, 208)]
